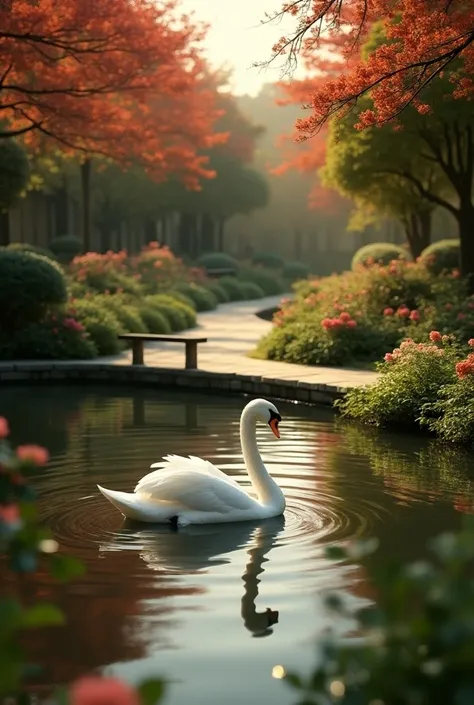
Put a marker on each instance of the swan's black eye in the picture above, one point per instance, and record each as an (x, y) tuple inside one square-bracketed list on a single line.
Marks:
[(273, 416)]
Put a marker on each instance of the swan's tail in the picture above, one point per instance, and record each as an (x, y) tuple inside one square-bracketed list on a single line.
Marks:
[(137, 507)]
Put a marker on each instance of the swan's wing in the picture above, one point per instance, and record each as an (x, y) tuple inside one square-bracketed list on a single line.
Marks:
[(172, 463), (198, 491)]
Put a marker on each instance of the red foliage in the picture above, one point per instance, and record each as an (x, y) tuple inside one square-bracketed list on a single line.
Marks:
[(427, 37), (118, 78)]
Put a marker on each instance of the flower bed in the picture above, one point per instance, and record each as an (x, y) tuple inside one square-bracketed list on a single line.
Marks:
[(78, 312), (355, 317), (429, 385)]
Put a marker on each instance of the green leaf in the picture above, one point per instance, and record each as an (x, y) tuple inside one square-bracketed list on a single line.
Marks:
[(151, 691), (65, 568), (44, 614)]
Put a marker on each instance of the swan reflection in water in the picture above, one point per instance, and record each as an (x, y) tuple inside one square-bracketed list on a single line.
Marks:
[(199, 546)]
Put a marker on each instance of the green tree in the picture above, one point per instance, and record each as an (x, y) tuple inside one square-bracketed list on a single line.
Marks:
[(377, 168)]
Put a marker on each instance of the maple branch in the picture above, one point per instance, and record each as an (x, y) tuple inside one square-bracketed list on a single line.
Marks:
[(425, 193)]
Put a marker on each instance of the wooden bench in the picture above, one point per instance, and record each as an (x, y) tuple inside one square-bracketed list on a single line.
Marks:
[(138, 340)]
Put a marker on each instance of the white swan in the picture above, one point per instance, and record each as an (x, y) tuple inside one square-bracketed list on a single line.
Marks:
[(194, 491)]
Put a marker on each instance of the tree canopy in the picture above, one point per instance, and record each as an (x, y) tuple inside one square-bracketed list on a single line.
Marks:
[(425, 38)]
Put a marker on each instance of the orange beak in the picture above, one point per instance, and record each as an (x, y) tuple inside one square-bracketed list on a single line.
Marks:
[(274, 426)]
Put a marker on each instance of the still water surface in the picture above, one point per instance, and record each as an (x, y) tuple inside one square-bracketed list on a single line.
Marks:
[(192, 605)]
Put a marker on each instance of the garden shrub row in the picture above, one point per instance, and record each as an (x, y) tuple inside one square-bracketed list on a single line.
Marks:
[(52, 310), (354, 318)]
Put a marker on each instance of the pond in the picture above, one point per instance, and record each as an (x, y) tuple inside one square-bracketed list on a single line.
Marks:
[(191, 605)]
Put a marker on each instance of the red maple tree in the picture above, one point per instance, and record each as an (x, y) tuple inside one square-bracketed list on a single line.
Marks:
[(424, 38), (116, 78)]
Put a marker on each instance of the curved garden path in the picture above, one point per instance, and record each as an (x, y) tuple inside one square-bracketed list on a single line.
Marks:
[(233, 330)]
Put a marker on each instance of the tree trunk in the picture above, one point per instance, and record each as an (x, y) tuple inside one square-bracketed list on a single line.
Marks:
[(465, 218), (4, 228), (418, 231), (86, 204)]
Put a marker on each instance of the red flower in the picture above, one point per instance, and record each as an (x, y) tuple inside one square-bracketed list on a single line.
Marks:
[(4, 428), (461, 316), (435, 336), (94, 690), (415, 316), (471, 342), (388, 311), (403, 312), (352, 324), (346, 317), (9, 514), (388, 357), (32, 453)]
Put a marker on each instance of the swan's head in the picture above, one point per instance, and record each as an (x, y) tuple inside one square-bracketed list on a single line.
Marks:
[(266, 412)]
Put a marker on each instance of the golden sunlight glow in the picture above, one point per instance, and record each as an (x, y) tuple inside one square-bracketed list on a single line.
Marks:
[(278, 672)]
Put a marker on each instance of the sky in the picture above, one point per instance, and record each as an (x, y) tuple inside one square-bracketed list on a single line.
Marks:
[(236, 38)]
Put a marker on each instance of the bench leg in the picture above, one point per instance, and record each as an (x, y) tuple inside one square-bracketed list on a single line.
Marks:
[(137, 352), (191, 355)]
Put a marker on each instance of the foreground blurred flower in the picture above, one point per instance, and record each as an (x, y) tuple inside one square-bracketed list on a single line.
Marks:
[(94, 690), (33, 454), (4, 427)]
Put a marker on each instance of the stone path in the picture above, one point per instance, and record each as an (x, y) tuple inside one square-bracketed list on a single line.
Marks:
[(233, 330)]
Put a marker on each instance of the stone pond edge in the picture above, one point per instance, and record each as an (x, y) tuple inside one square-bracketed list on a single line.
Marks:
[(202, 380)]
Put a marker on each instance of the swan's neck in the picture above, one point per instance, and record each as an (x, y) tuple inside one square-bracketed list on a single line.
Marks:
[(265, 486)]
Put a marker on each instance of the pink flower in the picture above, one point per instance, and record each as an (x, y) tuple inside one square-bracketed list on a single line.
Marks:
[(403, 312), (388, 357), (4, 427), (346, 317), (9, 514), (470, 342), (351, 324), (326, 323), (33, 454), (388, 311), (94, 690), (435, 336), (415, 316)]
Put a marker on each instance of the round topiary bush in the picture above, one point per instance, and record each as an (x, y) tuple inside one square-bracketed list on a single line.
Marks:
[(268, 281), (293, 271), (188, 312), (442, 256), (30, 285), (378, 253), (25, 247), (269, 260), (203, 298), (233, 287), (171, 311), (66, 247), (154, 321), (219, 292), (217, 260), (179, 296), (102, 325), (251, 291)]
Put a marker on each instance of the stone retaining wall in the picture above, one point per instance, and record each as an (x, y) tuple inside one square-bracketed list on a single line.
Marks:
[(73, 372)]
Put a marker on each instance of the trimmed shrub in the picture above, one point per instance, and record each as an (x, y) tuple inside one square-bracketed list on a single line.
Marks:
[(173, 314), (378, 253), (56, 338), (270, 283), (25, 247), (217, 260), (233, 288), (101, 325), (203, 298), (66, 247), (251, 291), (30, 285), (441, 256), (124, 310), (219, 292), (188, 312), (154, 321), (269, 260), (179, 296), (294, 271)]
